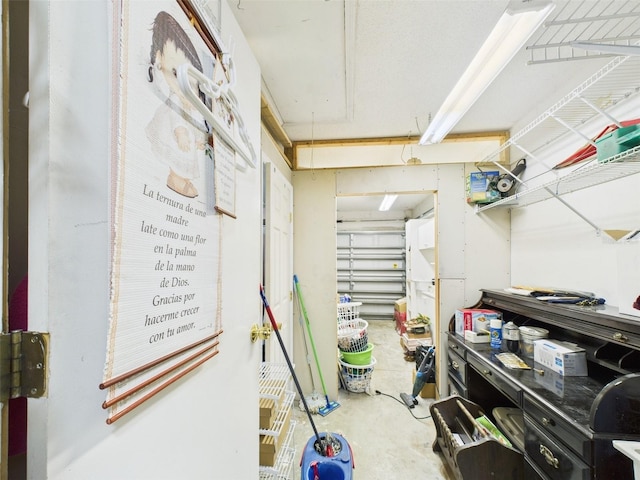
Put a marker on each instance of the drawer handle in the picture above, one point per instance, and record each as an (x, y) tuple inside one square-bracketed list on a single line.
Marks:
[(620, 337), (486, 372), (455, 365), (548, 456), (455, 347), (548, 422)]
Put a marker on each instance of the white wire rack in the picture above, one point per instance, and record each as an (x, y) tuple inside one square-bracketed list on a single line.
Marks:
[(587, 104), (576, 23), (283, 467), (281, 417), (273, 381), (594, 173)]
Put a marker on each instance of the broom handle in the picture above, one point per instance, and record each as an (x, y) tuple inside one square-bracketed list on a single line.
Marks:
[(274, 325), (313, 345)]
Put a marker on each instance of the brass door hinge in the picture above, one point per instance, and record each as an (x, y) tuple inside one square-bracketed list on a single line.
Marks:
[(23, 364)]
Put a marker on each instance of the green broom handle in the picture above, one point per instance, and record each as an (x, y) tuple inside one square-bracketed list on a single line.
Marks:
[(313, 345)]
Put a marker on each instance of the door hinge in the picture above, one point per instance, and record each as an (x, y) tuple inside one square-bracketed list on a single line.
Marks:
[(23, 364)]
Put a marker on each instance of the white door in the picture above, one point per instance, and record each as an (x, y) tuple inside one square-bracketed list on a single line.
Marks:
[(279, 258)]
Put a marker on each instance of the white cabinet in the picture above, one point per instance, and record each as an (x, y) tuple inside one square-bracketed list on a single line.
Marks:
[(427, 241), (421, 297)]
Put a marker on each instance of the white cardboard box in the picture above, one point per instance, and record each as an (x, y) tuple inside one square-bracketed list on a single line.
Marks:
[(474, 319), (565, 358)]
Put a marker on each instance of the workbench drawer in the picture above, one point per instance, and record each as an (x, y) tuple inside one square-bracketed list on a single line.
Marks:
[(496, 378), (556, 426), (456, 345), (551, 457), (457, 366), (457, 388)]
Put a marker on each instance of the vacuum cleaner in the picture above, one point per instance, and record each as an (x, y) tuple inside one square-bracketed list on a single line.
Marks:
[(424, 373), (327, 456)]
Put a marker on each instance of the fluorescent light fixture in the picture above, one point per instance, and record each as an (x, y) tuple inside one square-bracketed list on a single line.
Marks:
[(386, 203), (505, 40)]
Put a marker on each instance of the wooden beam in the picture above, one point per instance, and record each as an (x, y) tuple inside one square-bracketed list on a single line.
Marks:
[(501, 135)]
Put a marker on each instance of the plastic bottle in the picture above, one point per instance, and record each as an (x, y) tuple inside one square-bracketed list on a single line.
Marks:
[(495, 328), (511, 336)]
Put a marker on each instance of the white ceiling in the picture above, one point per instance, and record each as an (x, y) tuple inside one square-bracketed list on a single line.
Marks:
[(353, 69)]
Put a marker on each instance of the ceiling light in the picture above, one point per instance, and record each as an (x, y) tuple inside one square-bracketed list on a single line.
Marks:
[(386, 203), (508, 36)]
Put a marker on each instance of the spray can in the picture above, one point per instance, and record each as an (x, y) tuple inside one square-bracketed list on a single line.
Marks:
[(495, 329)]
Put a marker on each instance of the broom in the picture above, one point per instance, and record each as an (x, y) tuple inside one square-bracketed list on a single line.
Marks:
[(314, 402), (330, 406)]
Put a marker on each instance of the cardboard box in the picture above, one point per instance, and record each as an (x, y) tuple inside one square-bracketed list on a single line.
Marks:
[(429, 389), (270, 444), (474, 319), (550, 380), (400, 305), (476, 337), (267, 412), (482, 187), (417, 330), (564, 358), (410, 344), (269, 408)]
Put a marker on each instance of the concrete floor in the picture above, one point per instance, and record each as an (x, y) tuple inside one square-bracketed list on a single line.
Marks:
[(388, 440)]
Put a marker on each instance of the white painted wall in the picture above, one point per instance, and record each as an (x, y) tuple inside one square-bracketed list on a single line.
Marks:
[(206, 424), (473, 251), (314, 262)]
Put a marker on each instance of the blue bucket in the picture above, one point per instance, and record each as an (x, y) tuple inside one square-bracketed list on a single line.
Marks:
[(317, 466)]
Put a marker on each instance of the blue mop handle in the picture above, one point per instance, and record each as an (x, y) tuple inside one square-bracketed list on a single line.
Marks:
[(274, 325)]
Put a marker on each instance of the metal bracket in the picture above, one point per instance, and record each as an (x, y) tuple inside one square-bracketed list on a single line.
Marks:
[(23, 364)]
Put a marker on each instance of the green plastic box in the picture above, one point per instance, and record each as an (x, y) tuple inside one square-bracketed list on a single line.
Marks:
[(618, 141)]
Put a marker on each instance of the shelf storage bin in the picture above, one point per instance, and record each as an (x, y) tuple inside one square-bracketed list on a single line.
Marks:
[(618, 141)]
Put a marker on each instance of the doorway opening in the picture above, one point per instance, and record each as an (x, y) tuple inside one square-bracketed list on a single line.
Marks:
[(375, 263)]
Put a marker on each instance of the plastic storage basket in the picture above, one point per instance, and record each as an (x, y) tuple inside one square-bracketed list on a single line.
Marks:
[(352, 335), (348, 310), (357, 378), (358, 358)]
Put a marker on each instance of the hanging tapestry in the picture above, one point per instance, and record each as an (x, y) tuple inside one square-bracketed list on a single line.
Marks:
[(165, 311)]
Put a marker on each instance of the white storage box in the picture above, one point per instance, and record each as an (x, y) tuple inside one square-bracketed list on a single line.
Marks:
[(565, 358), (474, 319)]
